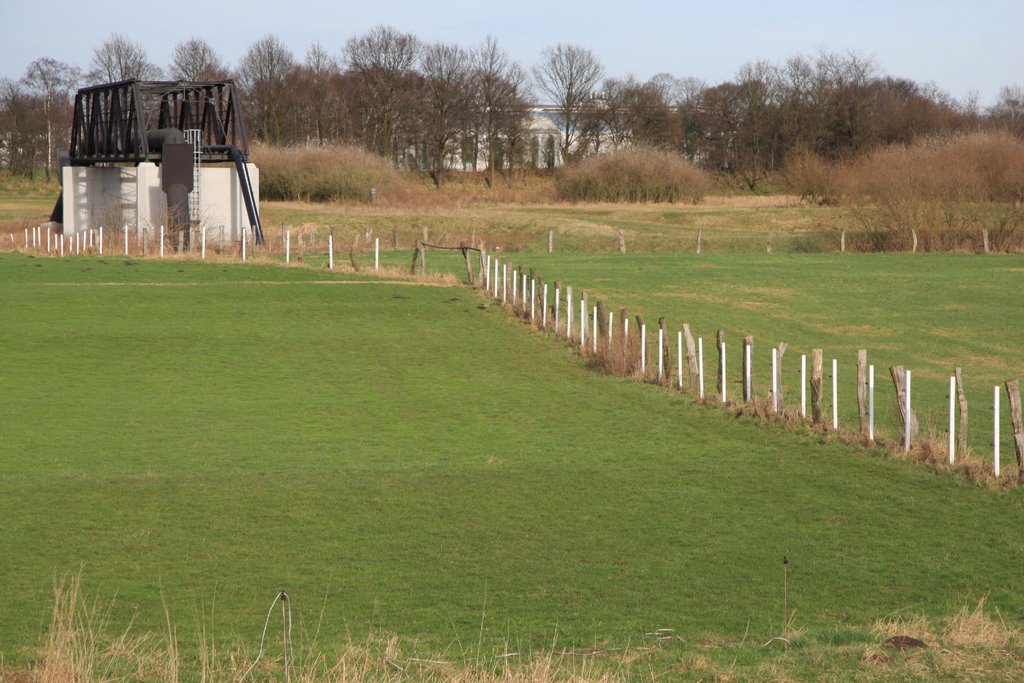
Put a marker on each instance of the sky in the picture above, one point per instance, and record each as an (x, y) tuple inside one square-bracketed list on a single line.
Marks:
[(966, 48)]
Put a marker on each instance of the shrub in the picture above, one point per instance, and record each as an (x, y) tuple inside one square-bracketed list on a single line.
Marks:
[(632, 175), (812, 177), (311, 173), (973, 168)]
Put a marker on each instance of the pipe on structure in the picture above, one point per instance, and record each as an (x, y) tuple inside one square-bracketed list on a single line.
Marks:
[(243, 179)]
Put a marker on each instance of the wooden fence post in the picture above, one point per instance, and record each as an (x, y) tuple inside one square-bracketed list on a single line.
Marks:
[(961, 437), (842, 241), (641, 328), (622, 242), (720, 343), (899, 380), (691, 355), (551, 241), (470, 275), (816, 382), (664, 351), (420, 253), (700, 239), (984, 239), (862, 403), (1013, 394), (602, 319)]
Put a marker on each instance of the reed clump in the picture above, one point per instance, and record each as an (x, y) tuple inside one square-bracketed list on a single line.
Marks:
[(333, 173)]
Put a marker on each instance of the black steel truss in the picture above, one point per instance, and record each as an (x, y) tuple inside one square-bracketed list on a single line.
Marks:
[(111, 120)]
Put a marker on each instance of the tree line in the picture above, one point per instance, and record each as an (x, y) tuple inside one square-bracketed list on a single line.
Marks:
[(432, 106)]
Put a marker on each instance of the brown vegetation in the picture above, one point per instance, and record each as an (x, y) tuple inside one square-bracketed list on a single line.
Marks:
[(632, 175), (945, 193), (308, 172)]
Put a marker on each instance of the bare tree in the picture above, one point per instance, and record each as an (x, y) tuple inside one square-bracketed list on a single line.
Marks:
[(1009, 109), (568, 75), (51, 82), (196, 60), (264, 74), (383, 58), (19, 128), (121, 59), (639, 113), (446, 71), (756, 99), (501, 102), (319, 71)]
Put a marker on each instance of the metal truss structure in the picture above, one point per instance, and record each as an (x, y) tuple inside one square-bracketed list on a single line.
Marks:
[(111, 121)]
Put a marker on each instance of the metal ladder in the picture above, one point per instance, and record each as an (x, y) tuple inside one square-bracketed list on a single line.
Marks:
[(194, 137)]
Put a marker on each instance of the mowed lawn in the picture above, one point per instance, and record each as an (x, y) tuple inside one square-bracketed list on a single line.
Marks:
[(404, 459)]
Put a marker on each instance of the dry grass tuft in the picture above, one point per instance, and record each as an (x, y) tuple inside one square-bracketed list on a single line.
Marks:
[(975, 628)]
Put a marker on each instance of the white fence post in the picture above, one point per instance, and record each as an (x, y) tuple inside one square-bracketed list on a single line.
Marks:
[(101, 240), (952, 416), (871, 403), (643, 349), (126, 240), (544, 308), (504, 282), (835, 395), (376, 253), (700, 367), (995, 430), (748, 394), (611, 328), (487, 275), (203, 238), (722, 387), (515, 288), (330, 252), (775, 380), (906, 419), (533, 300), (568, 314), (162, 241), (593, 335), (679, 356), (803, 386)]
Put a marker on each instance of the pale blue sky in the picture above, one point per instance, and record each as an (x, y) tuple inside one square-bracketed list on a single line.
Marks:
[(963, 47)]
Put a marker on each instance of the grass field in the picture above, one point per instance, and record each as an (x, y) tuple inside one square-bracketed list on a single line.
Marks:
[(405, 460)]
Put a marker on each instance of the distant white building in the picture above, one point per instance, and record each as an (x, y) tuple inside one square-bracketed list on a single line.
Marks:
[(542, 149)]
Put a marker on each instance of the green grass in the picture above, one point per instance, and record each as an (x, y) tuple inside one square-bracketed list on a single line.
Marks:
[(407, 460), (928, 312)]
